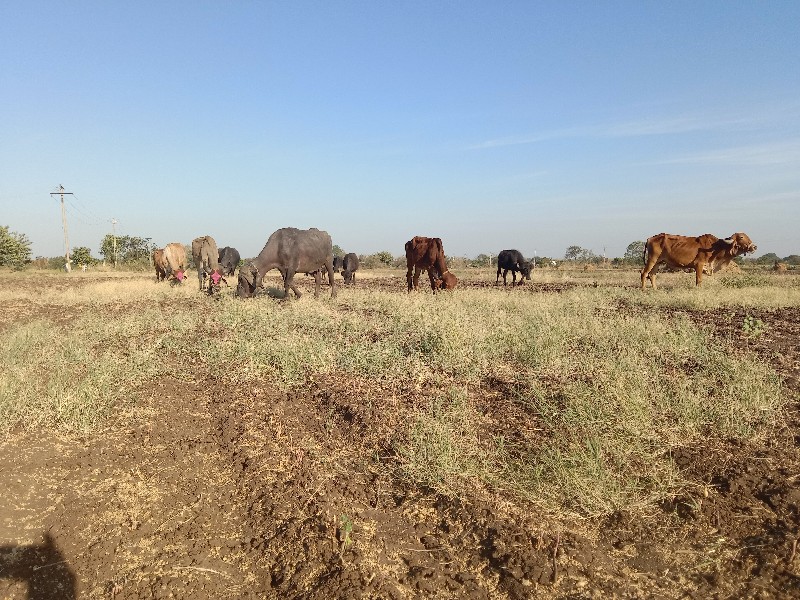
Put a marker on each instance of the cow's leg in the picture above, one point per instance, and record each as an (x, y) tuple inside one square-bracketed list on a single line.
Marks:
[(317, 279), (408, 277), (698, 278), (651, 275), (497, 279), (649, 272), (432, 277), (513, 278), (417, 271), (505, 274), (290, 284), (329, 269)]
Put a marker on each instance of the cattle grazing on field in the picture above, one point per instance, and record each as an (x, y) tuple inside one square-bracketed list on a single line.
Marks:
[(701, 253), (337, 266), (291, 251), (427, 254), (159, 264), (228, 260), (512, 260), (349, 267), (206, 261), (174, 261)]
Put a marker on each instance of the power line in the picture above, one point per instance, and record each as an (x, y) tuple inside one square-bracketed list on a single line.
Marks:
[(82, 216), (89, 213)]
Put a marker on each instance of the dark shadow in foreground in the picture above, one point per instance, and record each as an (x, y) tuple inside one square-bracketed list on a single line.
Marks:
[(41, 566)]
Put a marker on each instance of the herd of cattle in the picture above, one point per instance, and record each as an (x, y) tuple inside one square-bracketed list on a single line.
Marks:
[(310, 251)]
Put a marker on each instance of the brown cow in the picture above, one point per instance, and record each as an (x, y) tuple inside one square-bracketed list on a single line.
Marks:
[(681, 252), (174, 261), (159, 264), (424, 253)]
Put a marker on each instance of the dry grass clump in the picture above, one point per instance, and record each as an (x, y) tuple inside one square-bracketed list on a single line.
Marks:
[(67, 379), (609, 393)]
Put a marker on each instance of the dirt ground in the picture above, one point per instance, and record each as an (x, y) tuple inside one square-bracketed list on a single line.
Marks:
[(224, 492)]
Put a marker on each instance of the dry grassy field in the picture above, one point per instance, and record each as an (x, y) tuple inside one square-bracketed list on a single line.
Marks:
[(573, 437)]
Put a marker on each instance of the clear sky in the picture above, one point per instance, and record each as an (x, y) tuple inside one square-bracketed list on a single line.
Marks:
[(528, 125)]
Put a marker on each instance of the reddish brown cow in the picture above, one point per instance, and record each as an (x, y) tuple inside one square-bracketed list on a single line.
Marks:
[(424, 253), (703, 252)]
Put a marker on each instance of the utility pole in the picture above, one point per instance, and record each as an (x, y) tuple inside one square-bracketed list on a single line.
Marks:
[(64, 223), (534, 260), (114, 239)]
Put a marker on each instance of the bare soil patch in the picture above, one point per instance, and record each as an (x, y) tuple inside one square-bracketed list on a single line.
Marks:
[(226, 492)]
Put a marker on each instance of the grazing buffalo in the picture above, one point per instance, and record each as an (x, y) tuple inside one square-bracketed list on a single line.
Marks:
[(337, 266), (424, 253), (512, 260), (228, 260), (290, 250), (349, 267), (206, 260), (160, 264), (174, 261), (706, 252)]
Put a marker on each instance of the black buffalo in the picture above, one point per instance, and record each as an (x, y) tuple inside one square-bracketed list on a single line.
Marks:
[(337, 263), (228, 260), (512, 260), (290, 250), (349, 267)]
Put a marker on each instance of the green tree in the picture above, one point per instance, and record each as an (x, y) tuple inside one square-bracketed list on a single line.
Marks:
[(384, 257), (82, 256), (578, 253), (129, 249), (15, 248), (482, 260), (337, 250), (634, 252), (770, 258)]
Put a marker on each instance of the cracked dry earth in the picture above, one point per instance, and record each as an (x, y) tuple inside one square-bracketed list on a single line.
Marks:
[(219, 492)]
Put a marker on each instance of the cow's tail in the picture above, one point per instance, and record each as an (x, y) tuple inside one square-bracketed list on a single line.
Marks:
[(644, 252)]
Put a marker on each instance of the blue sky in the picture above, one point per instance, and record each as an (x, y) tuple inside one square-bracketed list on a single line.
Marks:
[(493, 125)]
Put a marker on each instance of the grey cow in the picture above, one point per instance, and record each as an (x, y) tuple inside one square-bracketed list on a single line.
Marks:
[(512, 260), (228, 260), (290, 250), (349, 267), (206, 260)]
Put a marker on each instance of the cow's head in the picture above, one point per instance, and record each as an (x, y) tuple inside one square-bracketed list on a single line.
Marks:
[(525, 269), (449, 281), (740, 243), (249, 280)]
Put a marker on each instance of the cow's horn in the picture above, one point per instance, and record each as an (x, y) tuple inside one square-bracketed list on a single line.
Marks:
[(729, 240)]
